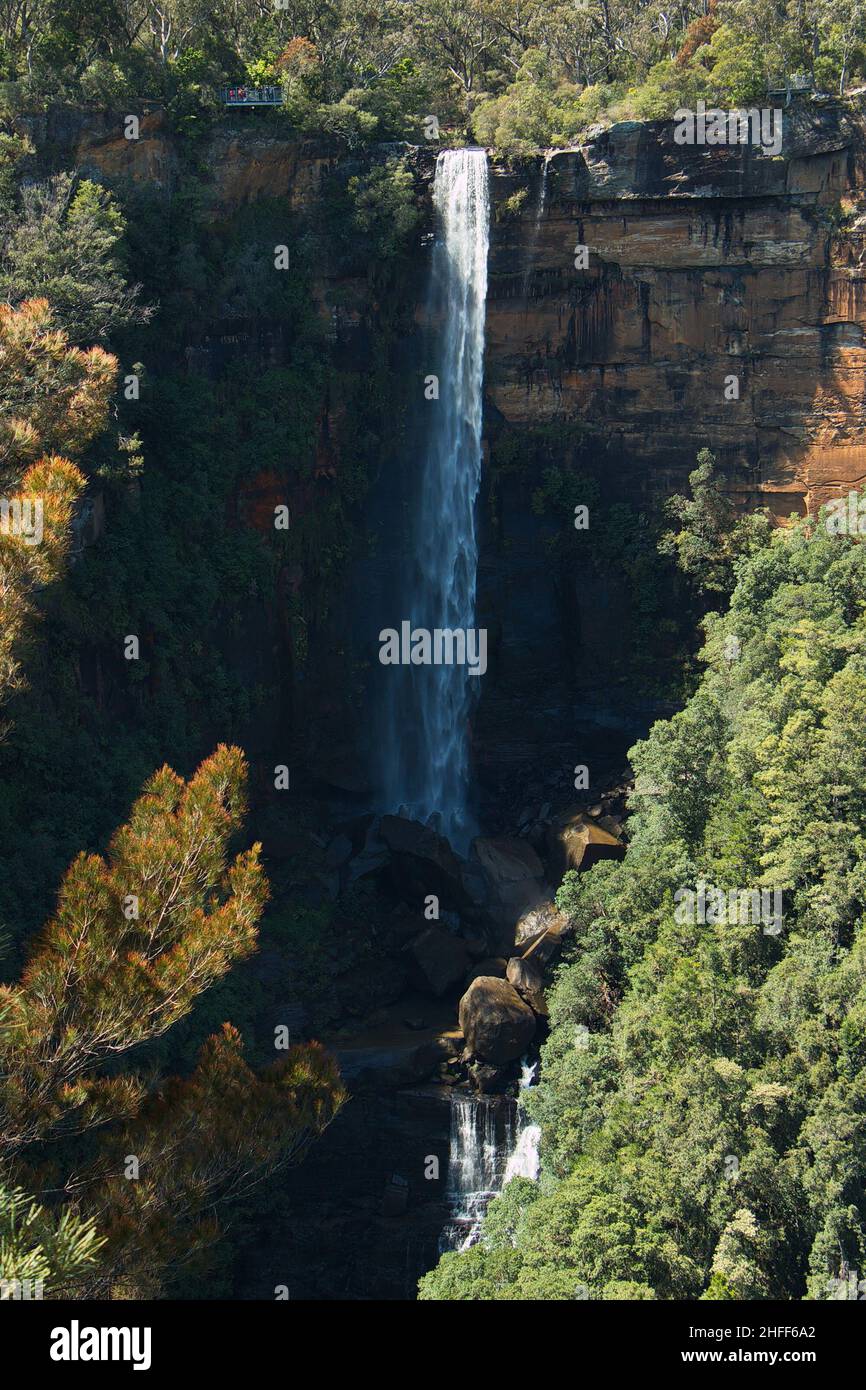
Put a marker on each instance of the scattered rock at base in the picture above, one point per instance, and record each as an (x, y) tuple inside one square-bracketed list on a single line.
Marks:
[(422, 861), (486, 1078), (528, 979), (540, 931), (514, 875), (437, 960)]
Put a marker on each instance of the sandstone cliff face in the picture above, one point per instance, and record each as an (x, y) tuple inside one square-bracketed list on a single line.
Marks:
[(239, 163), (703, 263)]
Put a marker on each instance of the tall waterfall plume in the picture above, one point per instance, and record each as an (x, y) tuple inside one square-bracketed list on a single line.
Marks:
[(428, 759)]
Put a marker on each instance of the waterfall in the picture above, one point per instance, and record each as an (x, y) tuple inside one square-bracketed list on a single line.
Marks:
[(482, 1131), (427, 754), (484, 1155), (524, 1161)]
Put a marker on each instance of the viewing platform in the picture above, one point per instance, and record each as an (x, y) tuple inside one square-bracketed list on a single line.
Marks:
[(251, 96)]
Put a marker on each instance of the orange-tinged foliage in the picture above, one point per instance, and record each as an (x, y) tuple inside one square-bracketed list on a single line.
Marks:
[(47, 491), (53, 398), (699, 32), (136, 937), (298, 56), (203, 1140)]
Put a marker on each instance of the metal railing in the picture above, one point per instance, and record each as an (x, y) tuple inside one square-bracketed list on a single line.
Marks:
[(251, 96)]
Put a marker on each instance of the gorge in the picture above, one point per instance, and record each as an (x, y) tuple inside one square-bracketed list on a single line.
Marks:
[(557, 386)]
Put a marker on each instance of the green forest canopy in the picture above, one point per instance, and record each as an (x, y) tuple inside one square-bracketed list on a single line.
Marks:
[(703, 1092), (513, 75)]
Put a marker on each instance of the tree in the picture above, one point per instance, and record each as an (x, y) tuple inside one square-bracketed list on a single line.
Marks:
[(53, 400), (54, 397), (137, 936), (63, 245), (709, 536), (39, 1248), (466, 32)]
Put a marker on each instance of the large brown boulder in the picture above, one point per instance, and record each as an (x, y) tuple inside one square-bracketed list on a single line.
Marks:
[(437, 960), (497, 1024), (528, 979), (576, 841), (422, 861), (514, 875)]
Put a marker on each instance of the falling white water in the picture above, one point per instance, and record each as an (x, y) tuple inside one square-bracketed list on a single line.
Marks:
[(484, 1155), (524, 1161), (481, 1139), (429, 760)]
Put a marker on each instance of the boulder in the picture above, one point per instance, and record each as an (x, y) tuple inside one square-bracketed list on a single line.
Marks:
[(514, 876), (525, 975), (528, 980), (436, 960), (539, 931), (486, 1078), (371, 859), (576, 841), (430, 1055), (507, 860), (474, 884), (494, 966), (422, 862), (496, 1023)]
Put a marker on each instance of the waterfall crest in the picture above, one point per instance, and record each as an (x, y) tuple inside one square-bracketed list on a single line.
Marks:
[(428, 769)]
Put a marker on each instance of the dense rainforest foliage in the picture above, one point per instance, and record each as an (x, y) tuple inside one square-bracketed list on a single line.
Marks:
[(703, 1096), (512, 75)]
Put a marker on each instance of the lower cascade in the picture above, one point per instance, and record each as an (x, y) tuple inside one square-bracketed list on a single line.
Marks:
[(488, 1147)]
